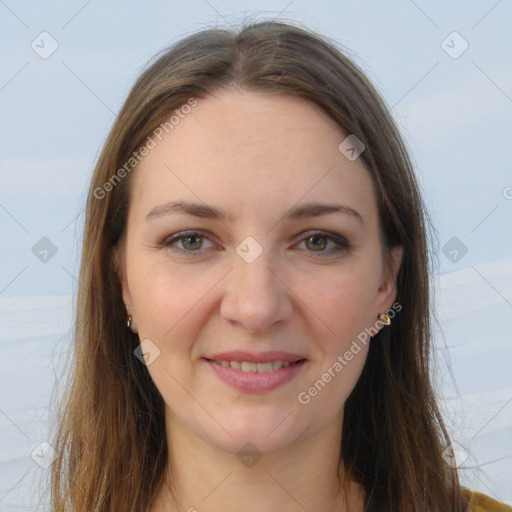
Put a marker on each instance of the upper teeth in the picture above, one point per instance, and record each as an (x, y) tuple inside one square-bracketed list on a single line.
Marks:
[(255, 367)]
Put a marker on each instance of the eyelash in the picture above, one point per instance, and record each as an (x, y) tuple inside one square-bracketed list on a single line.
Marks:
[(342, 244)]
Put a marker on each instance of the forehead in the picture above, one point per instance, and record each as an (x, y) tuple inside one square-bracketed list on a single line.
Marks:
[(252, 152)]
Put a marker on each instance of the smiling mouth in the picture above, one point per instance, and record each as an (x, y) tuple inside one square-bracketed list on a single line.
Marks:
[(253, 367), (256, 376)]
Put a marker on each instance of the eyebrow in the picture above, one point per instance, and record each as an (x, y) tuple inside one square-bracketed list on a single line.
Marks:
[(212, 212)]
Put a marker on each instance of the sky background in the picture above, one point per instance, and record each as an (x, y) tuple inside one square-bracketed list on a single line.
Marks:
[(451, 95)]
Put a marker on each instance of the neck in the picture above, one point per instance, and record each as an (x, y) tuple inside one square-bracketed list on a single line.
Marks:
[(306, 476)]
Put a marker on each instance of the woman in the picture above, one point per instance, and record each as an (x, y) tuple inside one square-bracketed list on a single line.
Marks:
[(253, 323)]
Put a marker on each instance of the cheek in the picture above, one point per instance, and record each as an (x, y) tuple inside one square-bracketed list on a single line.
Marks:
[(168, 303), (168, 299), (343, 300), (344, 305)]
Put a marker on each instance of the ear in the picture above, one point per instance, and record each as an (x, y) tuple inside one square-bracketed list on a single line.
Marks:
[(119, 264), (387, 291)]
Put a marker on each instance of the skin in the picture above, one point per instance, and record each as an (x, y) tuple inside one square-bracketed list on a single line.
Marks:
[(256, 156)]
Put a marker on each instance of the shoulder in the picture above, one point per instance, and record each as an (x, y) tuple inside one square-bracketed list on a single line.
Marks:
[(479, 502)]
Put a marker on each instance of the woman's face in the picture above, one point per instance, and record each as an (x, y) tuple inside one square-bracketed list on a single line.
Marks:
[(250, 269)]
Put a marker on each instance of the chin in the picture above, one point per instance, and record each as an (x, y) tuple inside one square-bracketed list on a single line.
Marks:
[(253, 444), (262, 435)]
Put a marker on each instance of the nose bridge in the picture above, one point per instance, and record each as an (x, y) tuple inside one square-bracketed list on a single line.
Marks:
[(256, 277), (256, 298)]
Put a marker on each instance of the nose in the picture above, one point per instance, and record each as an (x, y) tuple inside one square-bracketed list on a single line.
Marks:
[(257, 298)]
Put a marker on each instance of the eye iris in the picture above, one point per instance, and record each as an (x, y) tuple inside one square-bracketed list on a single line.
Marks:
[(320, 245), (192, 237)]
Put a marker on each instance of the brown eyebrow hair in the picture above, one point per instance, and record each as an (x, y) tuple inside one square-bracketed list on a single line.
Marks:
[(213, 212)]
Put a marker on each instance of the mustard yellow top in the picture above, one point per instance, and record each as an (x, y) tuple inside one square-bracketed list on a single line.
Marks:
[(481, 503)]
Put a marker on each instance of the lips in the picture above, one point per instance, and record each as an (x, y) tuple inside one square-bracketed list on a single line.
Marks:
[(253, 357), (256, 372), (249, 366)]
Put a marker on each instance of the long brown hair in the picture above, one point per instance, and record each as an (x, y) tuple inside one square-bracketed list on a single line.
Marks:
[(111, 439)]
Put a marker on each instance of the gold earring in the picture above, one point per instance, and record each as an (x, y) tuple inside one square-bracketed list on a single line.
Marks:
[(384, 319), (129, 322)]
